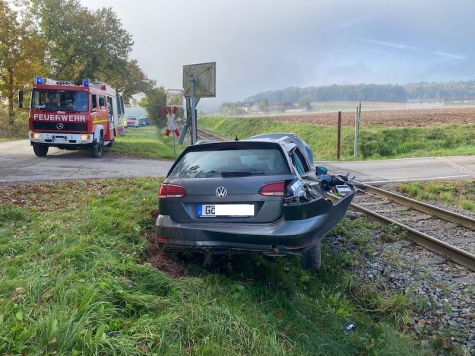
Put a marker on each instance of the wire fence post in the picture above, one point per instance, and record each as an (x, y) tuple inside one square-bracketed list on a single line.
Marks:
[(357, 129), (338, 144)]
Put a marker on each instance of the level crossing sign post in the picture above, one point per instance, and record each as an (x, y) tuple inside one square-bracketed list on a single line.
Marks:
[(199, 81), (172, 125)]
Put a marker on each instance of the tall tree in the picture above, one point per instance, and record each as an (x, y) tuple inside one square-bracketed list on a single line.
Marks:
[(89, 44), (21, 51), (133, 81), (153, 102)]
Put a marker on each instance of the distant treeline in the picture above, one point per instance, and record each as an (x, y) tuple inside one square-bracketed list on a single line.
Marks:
[(371, 92)]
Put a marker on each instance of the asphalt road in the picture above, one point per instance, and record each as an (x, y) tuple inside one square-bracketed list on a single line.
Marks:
[(406, 169), (18, 164)]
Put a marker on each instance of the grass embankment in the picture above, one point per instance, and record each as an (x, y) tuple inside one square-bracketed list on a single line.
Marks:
[(373, 142), (74, 281), (147, 142)]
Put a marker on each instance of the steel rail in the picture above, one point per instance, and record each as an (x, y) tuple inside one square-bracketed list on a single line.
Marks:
[(205, 134), (431, 243), (423, 207)]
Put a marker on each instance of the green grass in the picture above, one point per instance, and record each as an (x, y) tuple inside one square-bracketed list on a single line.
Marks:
[(373, 142), (457, 193), (321, 139), (76, 279), (147, 142)]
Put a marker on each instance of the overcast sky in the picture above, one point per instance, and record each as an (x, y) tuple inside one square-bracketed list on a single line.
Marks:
[(261, 45)]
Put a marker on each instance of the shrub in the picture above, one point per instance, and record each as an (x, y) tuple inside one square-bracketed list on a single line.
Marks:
[(19, 128)]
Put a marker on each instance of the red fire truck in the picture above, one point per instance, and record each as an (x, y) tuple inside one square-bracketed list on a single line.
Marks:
[(72, 117)]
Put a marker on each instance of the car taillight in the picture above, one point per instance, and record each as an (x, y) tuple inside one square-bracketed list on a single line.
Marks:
[(171, 191), (274, 188)]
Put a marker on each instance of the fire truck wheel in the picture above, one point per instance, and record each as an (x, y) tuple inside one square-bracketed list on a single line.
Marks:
[(40, 150), (111, 143), (96, 150)]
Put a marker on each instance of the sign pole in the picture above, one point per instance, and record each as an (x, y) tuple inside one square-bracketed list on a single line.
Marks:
[(194, 125), (172, 125), (174, 145)]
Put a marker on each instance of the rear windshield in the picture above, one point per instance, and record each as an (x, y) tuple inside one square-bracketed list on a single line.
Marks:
[(245, 162)]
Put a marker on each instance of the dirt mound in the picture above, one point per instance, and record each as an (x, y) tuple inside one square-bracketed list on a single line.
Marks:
[(164, 263), (159, 260)]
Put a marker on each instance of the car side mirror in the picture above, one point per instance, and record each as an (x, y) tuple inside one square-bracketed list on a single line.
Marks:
[(320, 170)]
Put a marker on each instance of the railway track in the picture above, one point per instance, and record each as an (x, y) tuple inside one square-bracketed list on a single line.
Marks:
[(441, 231), (435, 265), (204, 134)]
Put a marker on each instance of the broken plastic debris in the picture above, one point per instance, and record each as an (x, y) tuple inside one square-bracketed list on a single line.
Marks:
[(350, 327)]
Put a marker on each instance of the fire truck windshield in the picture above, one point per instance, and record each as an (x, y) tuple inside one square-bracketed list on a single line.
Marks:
[(59, 100)]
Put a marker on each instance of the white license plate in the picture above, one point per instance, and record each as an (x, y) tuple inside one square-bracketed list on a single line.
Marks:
[(60, 139), (232, 210)]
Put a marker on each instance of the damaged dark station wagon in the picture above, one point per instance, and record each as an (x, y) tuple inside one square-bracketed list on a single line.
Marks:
[(259, 195)]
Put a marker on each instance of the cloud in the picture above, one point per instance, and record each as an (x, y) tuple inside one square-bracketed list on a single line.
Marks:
[(261, 45), (404, 47)]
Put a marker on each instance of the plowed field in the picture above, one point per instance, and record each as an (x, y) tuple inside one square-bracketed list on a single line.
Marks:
[(391, 118)]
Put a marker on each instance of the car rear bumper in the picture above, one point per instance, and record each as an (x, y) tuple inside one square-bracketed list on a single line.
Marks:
[(301, 227)]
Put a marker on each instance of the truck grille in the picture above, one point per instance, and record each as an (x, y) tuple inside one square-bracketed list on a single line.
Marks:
[(51, 126)]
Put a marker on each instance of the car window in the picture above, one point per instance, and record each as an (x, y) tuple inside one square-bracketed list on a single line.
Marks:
[(299, 162), (206, 164)]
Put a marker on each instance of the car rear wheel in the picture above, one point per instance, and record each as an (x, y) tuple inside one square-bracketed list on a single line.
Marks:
[(312, 258), (40, 150)]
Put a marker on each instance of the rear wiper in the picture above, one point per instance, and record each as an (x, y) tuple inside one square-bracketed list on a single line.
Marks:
[(235, 173), (239, 173)]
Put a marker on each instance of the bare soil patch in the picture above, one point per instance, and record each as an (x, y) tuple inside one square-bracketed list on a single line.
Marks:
[(163, 262), (159, 260), (390, 118)]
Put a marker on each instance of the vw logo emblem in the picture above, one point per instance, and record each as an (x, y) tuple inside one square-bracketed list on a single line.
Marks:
[(60, 126), (221, 192)]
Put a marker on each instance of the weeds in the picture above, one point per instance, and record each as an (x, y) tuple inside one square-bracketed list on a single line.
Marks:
[(16, 131), (457, 193), (74, 281)]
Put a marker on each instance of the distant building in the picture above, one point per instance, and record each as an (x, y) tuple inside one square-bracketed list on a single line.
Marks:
[(248, 107), (430, 103), (460, 102), (437, 103)]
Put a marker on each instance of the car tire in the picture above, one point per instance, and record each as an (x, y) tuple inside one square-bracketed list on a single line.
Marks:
[(98, 147), (312, 258), (40, 149)]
